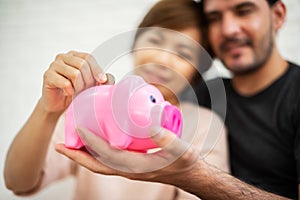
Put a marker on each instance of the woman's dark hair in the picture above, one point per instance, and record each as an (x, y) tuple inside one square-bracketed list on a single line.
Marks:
[(172, 14)]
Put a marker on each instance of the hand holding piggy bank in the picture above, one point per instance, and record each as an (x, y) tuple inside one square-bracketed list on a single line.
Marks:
[(121, 114)]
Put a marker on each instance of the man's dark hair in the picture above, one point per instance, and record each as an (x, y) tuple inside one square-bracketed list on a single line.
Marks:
[(272, 2)]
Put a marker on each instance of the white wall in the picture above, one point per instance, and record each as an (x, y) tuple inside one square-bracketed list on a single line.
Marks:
[(32, 32)]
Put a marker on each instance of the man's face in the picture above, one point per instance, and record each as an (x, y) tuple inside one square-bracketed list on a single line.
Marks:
[(240, 32)]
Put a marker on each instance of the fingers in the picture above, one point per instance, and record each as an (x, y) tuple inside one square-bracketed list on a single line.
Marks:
[(175, 156), (111, 156), (95, 143), (95, 69), (71, 74), (81, 67), (76, 69), (120, 160), (84, 159), (54, 80), (133, 162)]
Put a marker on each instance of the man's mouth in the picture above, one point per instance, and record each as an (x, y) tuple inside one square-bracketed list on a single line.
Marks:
[(234, 46)]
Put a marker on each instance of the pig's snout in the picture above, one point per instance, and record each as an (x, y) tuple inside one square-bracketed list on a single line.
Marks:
[(172, 120)]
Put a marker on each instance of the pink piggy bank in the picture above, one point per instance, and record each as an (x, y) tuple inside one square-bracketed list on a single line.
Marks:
[(121, 114)]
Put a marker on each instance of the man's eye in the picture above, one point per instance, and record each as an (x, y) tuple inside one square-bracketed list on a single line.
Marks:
[(213, 19), (244, 11)]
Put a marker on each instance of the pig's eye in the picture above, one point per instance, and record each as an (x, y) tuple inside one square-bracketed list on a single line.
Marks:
[(152, 99)]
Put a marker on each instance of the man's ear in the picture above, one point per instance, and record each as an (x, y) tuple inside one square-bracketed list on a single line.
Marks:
[(279, 14)]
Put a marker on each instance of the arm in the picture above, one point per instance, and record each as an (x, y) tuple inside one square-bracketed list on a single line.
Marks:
[(23, 166), (188, 172), (69, 74), (208, 182)]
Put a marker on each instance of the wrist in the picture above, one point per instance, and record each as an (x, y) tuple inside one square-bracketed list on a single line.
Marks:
[(195, 180), (45, 114), (189, 173), (181, 176)]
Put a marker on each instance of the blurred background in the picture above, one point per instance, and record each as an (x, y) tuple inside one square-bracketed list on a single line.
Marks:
[(33, 32)]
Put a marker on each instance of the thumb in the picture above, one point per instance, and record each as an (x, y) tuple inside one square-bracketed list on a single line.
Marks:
[(168, 141)]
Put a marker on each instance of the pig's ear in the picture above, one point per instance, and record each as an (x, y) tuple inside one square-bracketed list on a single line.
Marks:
[(120, 100), (125, 87)]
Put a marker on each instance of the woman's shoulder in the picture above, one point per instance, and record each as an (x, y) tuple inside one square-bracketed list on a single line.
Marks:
[(204, 113), (201, 120)]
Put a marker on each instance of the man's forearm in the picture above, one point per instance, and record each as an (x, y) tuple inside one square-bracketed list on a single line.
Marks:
[(208, 182)]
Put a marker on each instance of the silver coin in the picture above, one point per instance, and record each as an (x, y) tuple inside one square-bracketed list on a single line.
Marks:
[(110, 79)]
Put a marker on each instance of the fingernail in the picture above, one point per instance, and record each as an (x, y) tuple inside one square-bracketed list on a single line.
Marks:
[(102, 77)]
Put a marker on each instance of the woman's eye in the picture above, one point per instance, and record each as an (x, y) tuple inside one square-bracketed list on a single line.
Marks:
[(186, 56), (154, 40), (152, 99)]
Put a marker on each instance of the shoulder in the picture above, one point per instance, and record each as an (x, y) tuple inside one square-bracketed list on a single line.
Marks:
[(210, 136), (293, 65), (204, 116), (293, 72), (294, 91), (292, 81), (190, 108)]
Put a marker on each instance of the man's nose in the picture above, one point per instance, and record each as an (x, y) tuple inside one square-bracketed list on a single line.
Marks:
[(230, 25)]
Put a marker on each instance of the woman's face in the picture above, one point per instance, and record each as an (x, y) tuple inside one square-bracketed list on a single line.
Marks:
[(167, 59)]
